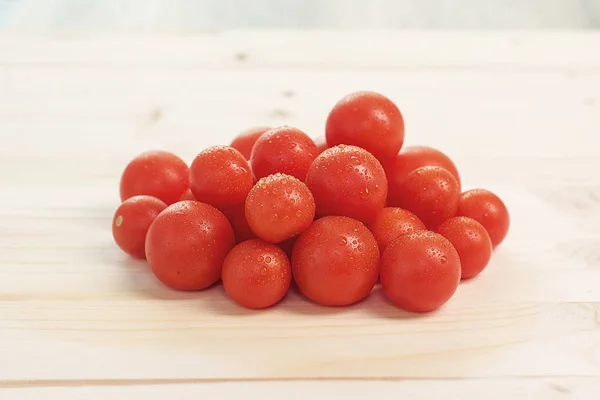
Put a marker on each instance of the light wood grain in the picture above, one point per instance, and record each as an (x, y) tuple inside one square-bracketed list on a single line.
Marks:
[(519, 113)]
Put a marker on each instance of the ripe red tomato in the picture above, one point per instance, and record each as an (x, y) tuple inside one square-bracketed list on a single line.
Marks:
[(279, 207), (256, 274), (431, 193), (321, 144), (220, 176), (155, 173), (288, 245), (187, 243), (131, 222), (347, 180), (392, 222), (237, 219), (187, 195), (286, 150), (335, 261), (487, 209), (245, 140), (409, 159), (471, 241), (420, 271), (368, 120)]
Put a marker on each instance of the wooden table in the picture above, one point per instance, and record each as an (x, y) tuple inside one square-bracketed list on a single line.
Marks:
[(518, 112)]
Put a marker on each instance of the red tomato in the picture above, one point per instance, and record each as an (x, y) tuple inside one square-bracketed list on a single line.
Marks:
[(431, 193), (237, 218), (187, 195), (131, 222), (187, 243), (256, 274), (155, 173), (471, 241), (279, 207), (487, 209), (288, 245), (220, 176), (409, 159), (286, 150), (392, 222), (321, 144), (335, 261), (347, 180), (245, 140), (368, 120), (420, 271)]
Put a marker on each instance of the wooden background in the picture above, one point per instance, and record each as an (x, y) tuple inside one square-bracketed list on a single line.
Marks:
[(518, 112)]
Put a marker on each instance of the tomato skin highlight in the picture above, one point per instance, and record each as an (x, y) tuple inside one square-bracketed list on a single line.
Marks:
[(158, 174), (244, 142), (348, 181), (409, 159), (489, 210), (471, 241), (368, 120), (220, 176), (279, 207), (432, 194), (392, 222), (131, 222), (335, 261), (420, 271), (285, 150), (256, 274), (187, 243)]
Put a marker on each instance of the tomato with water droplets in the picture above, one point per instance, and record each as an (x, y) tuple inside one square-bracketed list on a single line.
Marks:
[(256, 274), (279, 207), (420, 271), (349, 181), (244, 142), (489, 210), (335, 261), (392, 222)]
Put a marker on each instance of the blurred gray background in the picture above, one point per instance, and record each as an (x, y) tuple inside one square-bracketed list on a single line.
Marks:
[(199, 15)]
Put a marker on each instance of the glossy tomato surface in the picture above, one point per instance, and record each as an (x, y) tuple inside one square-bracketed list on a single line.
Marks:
[(158, 174), (256, 274), (420, 271), (187, 243), (220, 176), (471, 241), (131, 222), (335, 261), (244, 142), (349, 181), (489, 210), (279, 207), (285, 150), (368, 120), (392, 222)]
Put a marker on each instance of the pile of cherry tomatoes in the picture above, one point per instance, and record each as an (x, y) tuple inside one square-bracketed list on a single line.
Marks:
[(332, 215)]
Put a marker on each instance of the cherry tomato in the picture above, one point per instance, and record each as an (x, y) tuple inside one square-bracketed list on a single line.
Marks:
[(256, 274), (335, 261), (131, 222), (409, 159), (392, 222), (288, 245), (420, 271), (432, 194), (487, 209), (187, 243), (368, 120), (187, 195), (471, 241), (347, 180), (237, 219), (286, 150), (245, 140), (155, 173), (279, 207), (321, 144), (220, 176)]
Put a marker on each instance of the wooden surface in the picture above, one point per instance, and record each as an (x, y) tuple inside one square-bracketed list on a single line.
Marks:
[(519, 114)]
